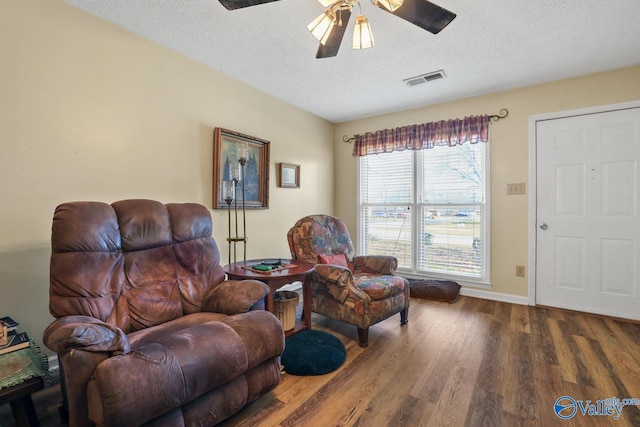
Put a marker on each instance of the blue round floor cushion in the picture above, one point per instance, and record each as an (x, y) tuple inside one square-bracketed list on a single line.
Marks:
[(312, 352)]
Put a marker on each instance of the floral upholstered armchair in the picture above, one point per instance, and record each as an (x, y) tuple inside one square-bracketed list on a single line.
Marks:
[(360, 290)]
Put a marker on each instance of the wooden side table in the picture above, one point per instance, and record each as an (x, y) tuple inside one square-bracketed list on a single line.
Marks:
[(18, 392), (300, 271), (19, 397)]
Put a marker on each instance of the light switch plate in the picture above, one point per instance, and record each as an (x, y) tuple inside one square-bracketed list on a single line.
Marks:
[(519, 188)]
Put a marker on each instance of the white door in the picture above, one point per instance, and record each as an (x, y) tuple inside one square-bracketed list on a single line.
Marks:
[(587, 213)]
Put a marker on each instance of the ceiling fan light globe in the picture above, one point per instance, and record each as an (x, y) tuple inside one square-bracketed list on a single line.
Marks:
[(362, 35), (326, 3), (390, 5), (321, 26)]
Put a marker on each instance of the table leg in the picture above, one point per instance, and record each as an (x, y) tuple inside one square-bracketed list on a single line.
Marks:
[(24, 412), (269, 300), (306, 301)]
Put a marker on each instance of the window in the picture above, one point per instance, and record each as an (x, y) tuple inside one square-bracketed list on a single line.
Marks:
[(429, 209)]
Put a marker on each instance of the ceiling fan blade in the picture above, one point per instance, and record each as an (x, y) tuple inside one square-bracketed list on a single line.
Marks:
[(239, 4), (424, 14), (331, 47)]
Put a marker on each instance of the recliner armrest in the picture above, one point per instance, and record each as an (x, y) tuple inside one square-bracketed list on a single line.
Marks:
[(86, 333), (338, 280), (375, 264), (235, 296)]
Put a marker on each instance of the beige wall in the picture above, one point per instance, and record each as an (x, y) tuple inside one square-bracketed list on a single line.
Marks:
[(89, 111), (509, 154)]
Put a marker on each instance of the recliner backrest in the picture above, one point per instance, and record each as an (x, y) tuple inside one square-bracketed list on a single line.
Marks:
[(132, 264), (316, 235)]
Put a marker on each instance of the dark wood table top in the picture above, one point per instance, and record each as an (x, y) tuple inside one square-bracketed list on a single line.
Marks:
[(243, 269)]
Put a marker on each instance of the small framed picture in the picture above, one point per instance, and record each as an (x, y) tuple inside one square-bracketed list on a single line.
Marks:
[(289, 175)]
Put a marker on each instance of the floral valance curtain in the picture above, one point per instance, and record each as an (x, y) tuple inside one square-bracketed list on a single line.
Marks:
[(471, 129)]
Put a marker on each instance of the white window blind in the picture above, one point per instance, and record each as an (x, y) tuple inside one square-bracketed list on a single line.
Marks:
[(427, 208), (386, 189)]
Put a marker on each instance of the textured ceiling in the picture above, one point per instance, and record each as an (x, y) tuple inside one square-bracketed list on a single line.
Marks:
[(492, 45)]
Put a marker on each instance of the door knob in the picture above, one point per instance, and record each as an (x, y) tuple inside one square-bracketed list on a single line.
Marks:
[(543, 226)]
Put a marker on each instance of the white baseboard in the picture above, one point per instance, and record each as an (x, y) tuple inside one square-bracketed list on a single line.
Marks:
[(468, 291), (292, 287), (53, 363), (494, 296)]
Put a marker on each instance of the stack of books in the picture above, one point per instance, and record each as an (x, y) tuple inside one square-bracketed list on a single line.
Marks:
[(10, 338)]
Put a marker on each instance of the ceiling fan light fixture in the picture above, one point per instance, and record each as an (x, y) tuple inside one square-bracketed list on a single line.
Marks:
[(362, 35), (390, 5), (321, 26), (326, 3)]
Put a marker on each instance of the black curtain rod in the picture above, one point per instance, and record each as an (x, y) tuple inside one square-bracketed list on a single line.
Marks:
[(501, 115), (348, 140), (495, 117)]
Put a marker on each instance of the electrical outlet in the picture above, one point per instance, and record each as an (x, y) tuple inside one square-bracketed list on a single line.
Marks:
[(520, 270), (519, 188)]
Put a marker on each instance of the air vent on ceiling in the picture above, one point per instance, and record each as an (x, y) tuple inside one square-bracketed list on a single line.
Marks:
[(435, 75)]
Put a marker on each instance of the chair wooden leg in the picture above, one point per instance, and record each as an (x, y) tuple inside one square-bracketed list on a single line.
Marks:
[(404, 316), (363, 337)]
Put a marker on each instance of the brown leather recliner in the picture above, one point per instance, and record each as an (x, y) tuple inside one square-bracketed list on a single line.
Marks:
[(147, 329)]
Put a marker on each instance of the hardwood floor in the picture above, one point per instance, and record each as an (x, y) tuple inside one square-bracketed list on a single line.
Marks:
[(472, 363)]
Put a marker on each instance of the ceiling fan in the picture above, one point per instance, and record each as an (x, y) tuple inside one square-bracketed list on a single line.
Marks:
[(330, 26)]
